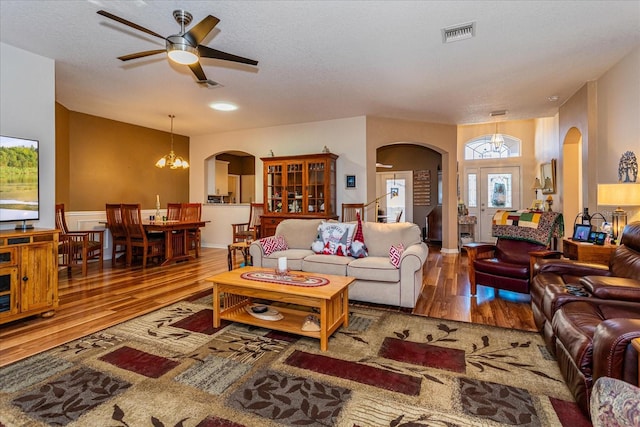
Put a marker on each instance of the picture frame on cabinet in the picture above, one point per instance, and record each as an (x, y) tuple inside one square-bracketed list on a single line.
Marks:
[(350, 181)]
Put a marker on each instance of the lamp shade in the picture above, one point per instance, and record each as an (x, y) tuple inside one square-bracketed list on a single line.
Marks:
[(536, 185), (621, 194)]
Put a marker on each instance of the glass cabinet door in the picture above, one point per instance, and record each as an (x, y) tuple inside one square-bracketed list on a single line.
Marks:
[(315, 186), (294, 187), (331, 197), (274, 188)]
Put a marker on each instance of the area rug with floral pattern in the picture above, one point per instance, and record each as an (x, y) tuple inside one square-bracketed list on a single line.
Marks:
[(172, 368)]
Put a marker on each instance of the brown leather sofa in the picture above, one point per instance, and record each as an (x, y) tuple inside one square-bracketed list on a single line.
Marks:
[(589, 314)]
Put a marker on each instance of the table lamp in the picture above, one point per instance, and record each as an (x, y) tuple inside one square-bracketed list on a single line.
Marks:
[(621, 194), (537, 185)]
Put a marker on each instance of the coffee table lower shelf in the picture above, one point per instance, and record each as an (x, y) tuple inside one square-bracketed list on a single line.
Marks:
[(292, 320)]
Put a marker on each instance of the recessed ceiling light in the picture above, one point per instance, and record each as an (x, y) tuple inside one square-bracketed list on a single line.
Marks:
[(223, 106), (553, 98)]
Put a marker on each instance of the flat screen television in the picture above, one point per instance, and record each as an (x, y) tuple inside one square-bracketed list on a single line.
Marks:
[(19, 186)]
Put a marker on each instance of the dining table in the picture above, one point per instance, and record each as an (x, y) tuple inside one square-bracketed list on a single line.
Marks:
[(175, 237)]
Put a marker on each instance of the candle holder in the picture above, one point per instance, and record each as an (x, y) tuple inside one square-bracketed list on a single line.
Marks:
[(281, 274), (157, 209)]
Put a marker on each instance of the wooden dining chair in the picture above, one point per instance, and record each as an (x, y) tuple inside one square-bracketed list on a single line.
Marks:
[(173, 211), (115, 225), (349, 211), (139, 242), (251, 229), (192, 212), (78, 247)]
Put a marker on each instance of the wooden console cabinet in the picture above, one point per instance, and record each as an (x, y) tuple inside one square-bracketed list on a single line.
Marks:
[(298, 187), (28, 273)]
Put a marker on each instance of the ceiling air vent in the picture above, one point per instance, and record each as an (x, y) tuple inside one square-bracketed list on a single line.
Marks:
[(458, 32)]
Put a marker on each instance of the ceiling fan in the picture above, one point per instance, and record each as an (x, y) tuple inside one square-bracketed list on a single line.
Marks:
[(184, 48)]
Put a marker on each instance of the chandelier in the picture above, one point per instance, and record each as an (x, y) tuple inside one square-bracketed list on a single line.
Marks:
[(171, 160), (497, 141)]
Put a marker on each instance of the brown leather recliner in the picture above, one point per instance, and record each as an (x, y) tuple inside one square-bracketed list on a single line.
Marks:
[(588, 314), (593, 340), (558, 281), (505, 265)]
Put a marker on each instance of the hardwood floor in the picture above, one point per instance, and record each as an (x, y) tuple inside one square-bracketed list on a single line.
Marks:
[(103, 299)]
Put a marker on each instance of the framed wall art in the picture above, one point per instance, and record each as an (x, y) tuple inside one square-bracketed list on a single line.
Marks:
[(350, 181)]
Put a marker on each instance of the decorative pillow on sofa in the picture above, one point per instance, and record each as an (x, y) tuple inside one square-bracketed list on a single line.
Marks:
[(358, 249), (395, 253), (334, 238), (272, 244)]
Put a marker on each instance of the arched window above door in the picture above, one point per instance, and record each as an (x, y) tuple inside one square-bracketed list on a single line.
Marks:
[(482, 148)]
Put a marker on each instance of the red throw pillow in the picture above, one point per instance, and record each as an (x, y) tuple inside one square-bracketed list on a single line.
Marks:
[(395, 253), (272, 244)]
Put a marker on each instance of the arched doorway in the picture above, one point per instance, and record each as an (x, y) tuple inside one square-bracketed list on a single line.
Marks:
[(571, 164), (421, 166), (230, 178)]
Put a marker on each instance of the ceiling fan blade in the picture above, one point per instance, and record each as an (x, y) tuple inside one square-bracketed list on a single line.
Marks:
[(141, 54), (199, 31), (128, 23), (198, 71), (207, 52)]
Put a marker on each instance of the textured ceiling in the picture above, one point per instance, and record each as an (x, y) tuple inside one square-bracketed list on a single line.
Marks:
[(321, 60)]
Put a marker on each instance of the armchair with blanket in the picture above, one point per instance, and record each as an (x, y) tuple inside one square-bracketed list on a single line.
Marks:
[(507, 263)]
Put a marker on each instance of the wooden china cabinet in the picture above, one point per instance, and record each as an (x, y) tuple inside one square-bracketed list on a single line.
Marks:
[(298, 187)]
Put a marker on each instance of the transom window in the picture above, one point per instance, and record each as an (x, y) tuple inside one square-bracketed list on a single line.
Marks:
[(482, 148)]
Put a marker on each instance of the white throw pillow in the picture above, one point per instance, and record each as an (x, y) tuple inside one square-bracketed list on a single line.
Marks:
[(334, 238)]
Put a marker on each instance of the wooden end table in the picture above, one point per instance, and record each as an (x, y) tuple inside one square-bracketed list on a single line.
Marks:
[(235, 247), (587, 252), (232, 293)]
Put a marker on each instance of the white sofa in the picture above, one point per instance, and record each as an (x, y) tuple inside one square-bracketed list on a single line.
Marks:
[(377, 280)]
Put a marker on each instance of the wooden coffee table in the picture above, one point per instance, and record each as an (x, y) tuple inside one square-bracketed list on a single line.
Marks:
[(231, 293)]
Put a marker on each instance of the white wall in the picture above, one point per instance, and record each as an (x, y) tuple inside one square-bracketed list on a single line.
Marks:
[(344, 137), (27, 110), (547, 147), (618, 120)]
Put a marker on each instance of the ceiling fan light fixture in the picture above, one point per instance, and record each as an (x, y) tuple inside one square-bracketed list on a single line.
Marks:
[(181, 52)]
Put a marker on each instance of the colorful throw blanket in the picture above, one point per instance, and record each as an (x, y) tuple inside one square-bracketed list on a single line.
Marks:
[(532, 226)]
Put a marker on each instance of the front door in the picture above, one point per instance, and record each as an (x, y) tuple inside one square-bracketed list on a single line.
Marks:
[(497, 189)]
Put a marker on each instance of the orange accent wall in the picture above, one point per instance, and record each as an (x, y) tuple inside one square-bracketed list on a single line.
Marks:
[(102, 161)]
